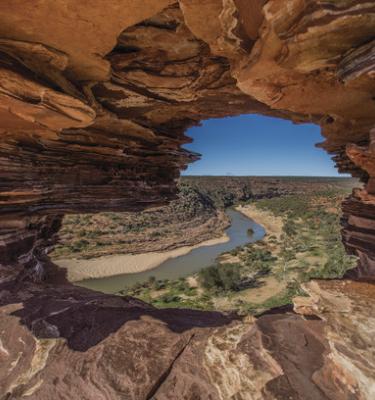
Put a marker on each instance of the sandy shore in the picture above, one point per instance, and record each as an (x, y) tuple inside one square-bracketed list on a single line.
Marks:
[(118, 264), (273, 225)]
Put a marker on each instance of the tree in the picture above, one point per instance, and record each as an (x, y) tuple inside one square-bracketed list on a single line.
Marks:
[(221, 277)]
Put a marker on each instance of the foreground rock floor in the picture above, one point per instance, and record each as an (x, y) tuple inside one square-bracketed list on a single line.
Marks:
[(65, 342)]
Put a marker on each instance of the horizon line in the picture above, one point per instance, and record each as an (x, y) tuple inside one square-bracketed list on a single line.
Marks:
[(272, 176)]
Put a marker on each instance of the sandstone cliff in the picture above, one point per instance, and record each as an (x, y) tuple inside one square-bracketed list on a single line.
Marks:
[(94, 102)]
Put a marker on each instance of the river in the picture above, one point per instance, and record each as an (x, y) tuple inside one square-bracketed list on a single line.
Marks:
[(187, 264)]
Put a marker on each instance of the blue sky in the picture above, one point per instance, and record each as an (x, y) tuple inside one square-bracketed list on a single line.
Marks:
[(257, 145)]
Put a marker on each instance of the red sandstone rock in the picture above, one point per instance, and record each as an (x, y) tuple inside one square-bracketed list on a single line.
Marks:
[(94, 103), (71, 342)]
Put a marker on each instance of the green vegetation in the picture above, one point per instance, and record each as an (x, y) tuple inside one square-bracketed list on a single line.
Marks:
[(249, 278), (281, 299), (312, 227), (257, 258), (93, 235), (269, 273), (221, 277), (170, 293), (196, 215)]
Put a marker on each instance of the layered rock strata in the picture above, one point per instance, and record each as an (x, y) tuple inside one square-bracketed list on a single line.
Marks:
[(94, 106), (94, 102)]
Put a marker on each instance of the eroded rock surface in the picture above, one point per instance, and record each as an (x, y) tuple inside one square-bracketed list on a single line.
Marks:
[(67, 342), (94, 103)]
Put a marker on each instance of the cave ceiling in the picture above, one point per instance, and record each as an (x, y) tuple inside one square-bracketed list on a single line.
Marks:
[(95, 101)]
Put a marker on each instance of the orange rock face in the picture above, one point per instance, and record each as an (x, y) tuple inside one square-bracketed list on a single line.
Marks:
[(95, 98), (94, 103)]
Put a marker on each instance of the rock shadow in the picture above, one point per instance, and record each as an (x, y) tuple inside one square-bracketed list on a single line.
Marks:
[(85, 317)]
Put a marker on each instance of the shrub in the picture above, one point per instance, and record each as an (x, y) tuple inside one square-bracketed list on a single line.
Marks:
[(151, 280), (158, 285), (221, 277), (169, 298)]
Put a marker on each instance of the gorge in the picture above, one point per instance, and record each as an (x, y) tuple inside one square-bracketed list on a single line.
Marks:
[(95, 99), (186, 264)]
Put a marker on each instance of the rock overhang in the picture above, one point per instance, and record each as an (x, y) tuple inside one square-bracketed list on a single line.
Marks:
[(94, 103)]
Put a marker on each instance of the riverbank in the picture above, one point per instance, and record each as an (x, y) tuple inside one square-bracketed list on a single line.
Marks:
[(251, 275), (119, 264), (268, 285), (187, 221), (272, 225), (79, 269)]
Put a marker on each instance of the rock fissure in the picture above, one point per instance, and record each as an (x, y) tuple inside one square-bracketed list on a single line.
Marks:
[(154, 390)]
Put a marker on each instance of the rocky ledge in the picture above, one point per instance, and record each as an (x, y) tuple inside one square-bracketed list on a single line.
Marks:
[(66, 342), (94, 103)]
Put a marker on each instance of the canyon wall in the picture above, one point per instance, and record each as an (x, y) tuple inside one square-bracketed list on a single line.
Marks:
[(94, 102)]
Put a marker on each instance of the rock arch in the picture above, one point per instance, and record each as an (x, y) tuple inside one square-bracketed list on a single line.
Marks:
[(89, 125), (95, 100)]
